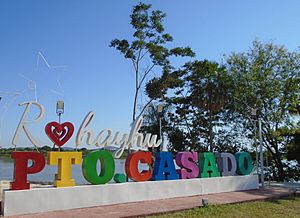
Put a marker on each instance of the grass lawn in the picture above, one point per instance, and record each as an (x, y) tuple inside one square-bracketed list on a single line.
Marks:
[(276, 208)]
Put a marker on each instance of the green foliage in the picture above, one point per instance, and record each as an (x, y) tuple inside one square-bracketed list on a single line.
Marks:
[(199, 95), (147, 51), (267, 78), (293, 152), (212, 104)]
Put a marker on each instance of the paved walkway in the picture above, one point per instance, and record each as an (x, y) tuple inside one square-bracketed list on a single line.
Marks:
[(163, 206), (283, 185)]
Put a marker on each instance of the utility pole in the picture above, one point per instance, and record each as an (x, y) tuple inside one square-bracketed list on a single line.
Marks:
[(262, 177), (255, 144)]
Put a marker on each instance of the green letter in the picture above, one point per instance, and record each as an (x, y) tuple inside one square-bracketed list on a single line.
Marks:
[(208, 165), (241, 159), (89, 167)]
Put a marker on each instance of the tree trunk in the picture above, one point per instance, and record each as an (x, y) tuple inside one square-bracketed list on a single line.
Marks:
[(211, 134), (211, 146), (281, 173), (279, 166)]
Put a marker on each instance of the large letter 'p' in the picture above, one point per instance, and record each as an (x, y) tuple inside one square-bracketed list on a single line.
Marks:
[(21, 169)]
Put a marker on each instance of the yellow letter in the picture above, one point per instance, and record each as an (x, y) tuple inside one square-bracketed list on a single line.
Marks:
[(64, 160)]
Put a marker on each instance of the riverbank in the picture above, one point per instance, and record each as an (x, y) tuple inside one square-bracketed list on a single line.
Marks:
[(5, 153)]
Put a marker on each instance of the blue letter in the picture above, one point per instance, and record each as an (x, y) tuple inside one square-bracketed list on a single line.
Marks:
[(164, 168)]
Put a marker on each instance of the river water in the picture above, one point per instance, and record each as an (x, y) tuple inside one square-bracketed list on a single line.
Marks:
[(47, 174)]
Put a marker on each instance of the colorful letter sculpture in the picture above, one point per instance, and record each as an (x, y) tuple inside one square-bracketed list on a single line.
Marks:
[(89, 167), (131, 166), (244, 162), (64, 160), (226, 163), (164, 168), (186, 161), (190, 164), (208, 165), (59, 133), (21, 169), (119, 178)]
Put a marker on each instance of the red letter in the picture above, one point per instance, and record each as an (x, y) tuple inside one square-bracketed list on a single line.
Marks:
[(131, 166), (21, 168)]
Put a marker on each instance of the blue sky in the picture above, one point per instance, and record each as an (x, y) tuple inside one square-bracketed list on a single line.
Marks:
[(77, 34)]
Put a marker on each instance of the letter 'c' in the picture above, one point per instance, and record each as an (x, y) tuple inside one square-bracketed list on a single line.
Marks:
[(131, 166)]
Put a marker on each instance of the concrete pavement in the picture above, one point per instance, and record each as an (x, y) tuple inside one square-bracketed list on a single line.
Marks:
[(167, 205)]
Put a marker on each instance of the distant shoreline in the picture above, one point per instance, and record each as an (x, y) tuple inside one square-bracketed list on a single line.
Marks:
[(5, 153)]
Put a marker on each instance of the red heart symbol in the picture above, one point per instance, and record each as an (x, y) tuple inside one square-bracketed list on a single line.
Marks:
[(59, 133)]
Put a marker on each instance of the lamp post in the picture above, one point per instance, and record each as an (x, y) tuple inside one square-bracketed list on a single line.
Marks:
[(60, 109), (160, 108), (261, 156), (262, 176), (253, 114)]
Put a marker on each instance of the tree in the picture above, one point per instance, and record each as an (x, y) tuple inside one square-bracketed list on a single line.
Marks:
[(267, 78), (151, 121), (199, 94), (293, 150), (210, 89), (147, 51)]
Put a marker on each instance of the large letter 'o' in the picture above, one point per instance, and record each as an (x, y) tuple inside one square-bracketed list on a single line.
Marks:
[(89, 167)]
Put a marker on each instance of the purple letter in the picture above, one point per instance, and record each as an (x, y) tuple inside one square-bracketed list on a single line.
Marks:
[(186, 161)]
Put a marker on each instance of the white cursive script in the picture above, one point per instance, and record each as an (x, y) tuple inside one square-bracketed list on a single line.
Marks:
[(134, 139), (23, 122)]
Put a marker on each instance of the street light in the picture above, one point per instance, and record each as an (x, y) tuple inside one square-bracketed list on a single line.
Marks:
[(262, 176), (60, 108), (261, 157), (254, 114)]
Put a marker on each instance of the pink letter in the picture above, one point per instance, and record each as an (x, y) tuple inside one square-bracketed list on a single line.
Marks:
[(186, 161)]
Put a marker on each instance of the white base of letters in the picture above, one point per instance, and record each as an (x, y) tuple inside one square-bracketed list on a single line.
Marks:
[(38, 200)]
